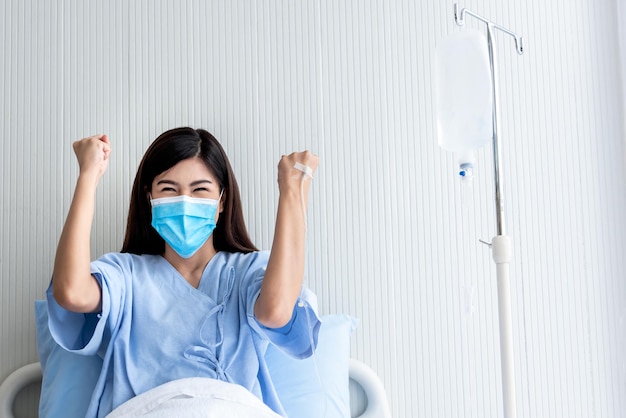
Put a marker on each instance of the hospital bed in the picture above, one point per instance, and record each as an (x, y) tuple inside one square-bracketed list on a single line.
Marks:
[(362, 377), (362, 394)]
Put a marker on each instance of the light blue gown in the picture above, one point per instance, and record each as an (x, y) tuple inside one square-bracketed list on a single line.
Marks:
[(154, 327)]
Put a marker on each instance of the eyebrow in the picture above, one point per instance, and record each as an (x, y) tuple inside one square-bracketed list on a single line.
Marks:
[(193, 183)]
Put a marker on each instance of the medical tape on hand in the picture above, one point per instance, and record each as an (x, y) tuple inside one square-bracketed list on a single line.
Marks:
[(304, 168)]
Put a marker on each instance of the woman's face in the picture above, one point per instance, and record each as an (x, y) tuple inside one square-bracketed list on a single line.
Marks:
[(190, 177)]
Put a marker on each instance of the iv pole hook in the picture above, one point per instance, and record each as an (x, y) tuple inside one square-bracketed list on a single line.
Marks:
[(459, 17)]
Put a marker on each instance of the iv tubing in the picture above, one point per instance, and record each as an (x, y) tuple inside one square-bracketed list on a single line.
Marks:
[(308, 172)]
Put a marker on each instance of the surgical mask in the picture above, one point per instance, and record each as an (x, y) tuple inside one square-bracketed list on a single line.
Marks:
[(184, 222)]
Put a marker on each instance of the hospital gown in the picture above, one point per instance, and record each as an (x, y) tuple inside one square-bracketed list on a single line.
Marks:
[(154, 327)]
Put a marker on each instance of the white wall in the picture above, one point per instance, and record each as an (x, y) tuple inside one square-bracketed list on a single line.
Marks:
[(393, 238)]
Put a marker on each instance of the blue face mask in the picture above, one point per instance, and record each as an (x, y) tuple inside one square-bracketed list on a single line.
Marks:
[(184, 222)]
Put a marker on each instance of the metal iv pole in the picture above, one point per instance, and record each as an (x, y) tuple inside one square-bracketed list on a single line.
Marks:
[(500, 244)]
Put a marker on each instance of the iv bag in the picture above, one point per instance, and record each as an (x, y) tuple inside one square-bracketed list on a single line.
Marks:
[(464, 92)]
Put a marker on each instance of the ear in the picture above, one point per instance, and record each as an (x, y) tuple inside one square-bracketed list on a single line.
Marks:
[(148, 193), (221, 205)]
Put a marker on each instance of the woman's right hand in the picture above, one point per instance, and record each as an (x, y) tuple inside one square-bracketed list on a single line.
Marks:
[(93, 154), (73, 286)]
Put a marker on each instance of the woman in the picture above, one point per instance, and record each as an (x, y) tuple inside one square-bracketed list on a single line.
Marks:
[(189, 295)]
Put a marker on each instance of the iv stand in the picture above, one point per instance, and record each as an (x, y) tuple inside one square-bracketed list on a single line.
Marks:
[(501, 243)]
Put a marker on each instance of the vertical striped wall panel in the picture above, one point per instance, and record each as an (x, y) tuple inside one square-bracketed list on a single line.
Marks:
[(393, 235)]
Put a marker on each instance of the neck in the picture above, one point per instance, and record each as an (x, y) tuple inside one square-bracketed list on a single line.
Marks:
[(190, 268)]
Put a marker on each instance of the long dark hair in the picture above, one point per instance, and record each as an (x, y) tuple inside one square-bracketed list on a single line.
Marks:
[(167, 150)]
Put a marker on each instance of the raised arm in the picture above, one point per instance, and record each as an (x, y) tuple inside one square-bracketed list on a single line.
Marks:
[(285, 269), (73, 286)]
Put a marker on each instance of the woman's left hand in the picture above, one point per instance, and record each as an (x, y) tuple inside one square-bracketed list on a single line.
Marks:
[(288, 175)]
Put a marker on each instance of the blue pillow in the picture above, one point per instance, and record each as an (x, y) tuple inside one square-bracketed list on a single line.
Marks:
[(318, 386), (69, 379)]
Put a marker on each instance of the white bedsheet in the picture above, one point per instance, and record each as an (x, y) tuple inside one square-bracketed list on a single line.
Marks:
[(195, 397)]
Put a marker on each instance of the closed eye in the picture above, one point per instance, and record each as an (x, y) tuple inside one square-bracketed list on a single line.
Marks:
[(167, 186)]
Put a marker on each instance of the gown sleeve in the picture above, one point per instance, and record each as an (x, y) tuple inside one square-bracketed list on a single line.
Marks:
[(299, 337), (89, 333)]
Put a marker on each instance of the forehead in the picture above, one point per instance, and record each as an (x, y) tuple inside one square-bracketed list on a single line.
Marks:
[(187, 171)]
